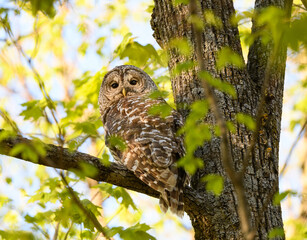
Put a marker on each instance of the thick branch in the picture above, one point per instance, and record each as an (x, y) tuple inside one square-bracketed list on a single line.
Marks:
[(116, 174), (258, 52)]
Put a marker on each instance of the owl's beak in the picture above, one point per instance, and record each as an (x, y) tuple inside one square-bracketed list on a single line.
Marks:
[(124, 92)]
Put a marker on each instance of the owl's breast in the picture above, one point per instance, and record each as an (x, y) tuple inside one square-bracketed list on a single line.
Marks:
[(129, 118)]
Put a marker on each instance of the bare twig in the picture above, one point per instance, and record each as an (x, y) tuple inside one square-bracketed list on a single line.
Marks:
[(56, 232), (69, 229), (90, 216), (304, 3), (9, 121), (41, 230), (292, 148), (300, 6)]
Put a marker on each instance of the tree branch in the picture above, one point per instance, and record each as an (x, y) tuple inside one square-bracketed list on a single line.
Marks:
[(63, 158), (258, 54)]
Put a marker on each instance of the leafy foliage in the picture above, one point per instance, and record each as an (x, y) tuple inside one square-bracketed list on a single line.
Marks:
[(194, 125), (118, 193), (214, 183), (163, 110), (228, 57), (183, 46), (218, 84), (247, 120), (278, 197), (136, 232), (276, 232), (46, 6)]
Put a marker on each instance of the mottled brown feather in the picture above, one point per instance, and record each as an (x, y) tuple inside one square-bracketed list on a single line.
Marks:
[(152, 145)]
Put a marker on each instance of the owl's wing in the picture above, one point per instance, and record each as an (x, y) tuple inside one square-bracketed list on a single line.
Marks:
[(159, 140), (156, 137)]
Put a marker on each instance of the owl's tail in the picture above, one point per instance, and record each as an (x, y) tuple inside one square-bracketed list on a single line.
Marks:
[(174, 199), (168, 181)]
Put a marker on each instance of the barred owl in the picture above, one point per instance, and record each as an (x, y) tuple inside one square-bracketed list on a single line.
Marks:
[(152, 146)]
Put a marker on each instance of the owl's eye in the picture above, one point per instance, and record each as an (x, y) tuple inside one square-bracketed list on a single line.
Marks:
[(114, 85), (133, 82)]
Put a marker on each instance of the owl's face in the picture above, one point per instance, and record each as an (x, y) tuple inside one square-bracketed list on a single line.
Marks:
[(124, 81)]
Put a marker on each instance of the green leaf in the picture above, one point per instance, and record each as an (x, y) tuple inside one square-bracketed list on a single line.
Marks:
[(296, 35), (218, 84), (178, 2), (136, 232), (301, 105), (144, 55), (4, 200), (119, 193), (105, 159), (278, 197), (83, 48), (150, 8), (231, 127), (34, 109), (276, 232), (45, 6), (239, 16), (87, 170), (271, 21), (6, 134), (196, 132), (214, 183), (247, 120), (8, 180), (162, 109), (116, 142), (190, 163), (16, 235), (212, 20), (27, 151), (183, 46), (197, 21), (91, 207), (183, 67), (158, 94), (86, 127), (121, 47), (226, 56)]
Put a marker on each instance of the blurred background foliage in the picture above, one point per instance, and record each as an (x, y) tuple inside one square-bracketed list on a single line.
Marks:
[(53, 56)]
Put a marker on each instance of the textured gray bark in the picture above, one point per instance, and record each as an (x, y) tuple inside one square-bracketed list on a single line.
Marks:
[(261, 177)]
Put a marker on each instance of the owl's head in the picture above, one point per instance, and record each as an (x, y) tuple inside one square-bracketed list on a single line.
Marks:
[(124, 81)]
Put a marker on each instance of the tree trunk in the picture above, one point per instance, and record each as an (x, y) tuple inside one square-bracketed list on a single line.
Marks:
[(261, 178)]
